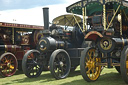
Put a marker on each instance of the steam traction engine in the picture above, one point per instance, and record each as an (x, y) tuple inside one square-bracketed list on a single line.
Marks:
[(59, 49), (107, 27), (15, 40)]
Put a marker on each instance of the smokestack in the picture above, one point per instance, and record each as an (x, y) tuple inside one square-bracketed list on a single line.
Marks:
[(46, 17)]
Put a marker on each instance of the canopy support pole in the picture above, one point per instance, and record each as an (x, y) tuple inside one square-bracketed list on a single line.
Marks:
[(77, 22), (13, 35), (121, 23), (113, 17), (83, 9), (85, 20), (125, 15), (104, 16)]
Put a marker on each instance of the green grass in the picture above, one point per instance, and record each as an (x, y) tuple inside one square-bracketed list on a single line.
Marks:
[(108, 77)]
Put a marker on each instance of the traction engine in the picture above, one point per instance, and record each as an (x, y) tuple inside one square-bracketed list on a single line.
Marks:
[(106, 25), (58, 51)]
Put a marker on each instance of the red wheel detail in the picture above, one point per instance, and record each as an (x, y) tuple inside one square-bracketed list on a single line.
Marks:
[(8, 64)]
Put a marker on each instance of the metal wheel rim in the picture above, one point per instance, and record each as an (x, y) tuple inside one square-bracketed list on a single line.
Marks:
[(127, 65), (61, 65), (124, 64), (33, 68), (8, 65)]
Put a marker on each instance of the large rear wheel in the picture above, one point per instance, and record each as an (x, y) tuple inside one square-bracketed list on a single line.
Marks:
[(124, 64), (31, 64), (8, 64), (60, 64), (89, 67)]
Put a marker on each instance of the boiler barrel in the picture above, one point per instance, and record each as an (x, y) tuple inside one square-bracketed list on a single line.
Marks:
[(9, 48), (50, 44), (2, 48), (121, 42)]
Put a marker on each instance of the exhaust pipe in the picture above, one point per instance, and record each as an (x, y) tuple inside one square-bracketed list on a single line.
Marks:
[(46, 18)]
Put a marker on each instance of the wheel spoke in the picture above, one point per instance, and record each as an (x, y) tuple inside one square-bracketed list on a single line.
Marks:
[(90, 58), (10, 70), (11, 60), (86, 67), (3, 61), (64, 67), (58, 71), (58, 58), (33, 60), (93, 76), (29, 63), (93, 59), (62, 70), (5, 70), (63, 59), (29, 69), (56, 65), (8, 59), (89, 70), (89, 75), (86, 59), (11, 67)]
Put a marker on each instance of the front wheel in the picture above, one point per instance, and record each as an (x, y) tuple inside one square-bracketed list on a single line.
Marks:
[(89, 67), (31, 64), (60, 64), (124, 64), (8, 64)]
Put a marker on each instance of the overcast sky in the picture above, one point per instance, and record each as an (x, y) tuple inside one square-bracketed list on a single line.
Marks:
[(25, 4), (30, 11)]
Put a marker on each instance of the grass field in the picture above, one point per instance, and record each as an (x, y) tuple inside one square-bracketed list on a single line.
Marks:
[(108, 77)]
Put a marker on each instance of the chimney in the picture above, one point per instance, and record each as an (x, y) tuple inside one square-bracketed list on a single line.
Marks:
[(46, 18)]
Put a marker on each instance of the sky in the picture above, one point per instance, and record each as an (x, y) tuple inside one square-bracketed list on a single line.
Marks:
[(30, 11)]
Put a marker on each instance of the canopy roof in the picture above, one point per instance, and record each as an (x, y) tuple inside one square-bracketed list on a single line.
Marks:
[(66, 20), (95, 5)]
